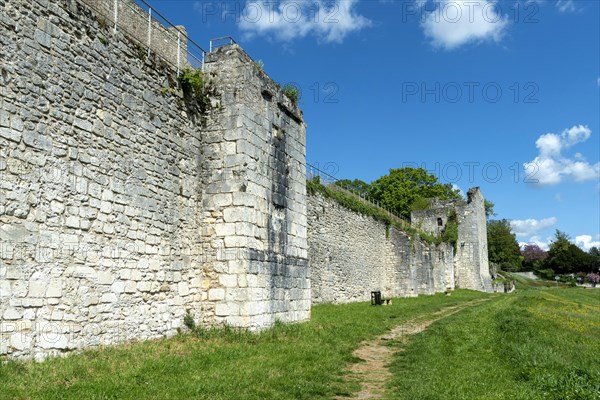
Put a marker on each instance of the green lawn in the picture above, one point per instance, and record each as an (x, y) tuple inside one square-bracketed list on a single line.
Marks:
[(536, 343), (302, 361), (532, 344)]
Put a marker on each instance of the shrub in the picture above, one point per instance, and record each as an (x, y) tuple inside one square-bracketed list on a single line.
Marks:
[(188, 321), (291, 92)]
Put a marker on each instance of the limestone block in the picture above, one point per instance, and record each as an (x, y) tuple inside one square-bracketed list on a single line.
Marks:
[(4, 118), (109, 298), (10, 134), (136, 275), (245, 199), (224, 229), (240, 242), (239, 214), (106, 207), (216, 294), (49, 339), (54, 288), (226, 309), (144, 286), (73, 221), (21, 341), (37, 289), (57, 315), (118, 287), (183, 288), (228, 281), (245, 229), (105, 278), (130, 286), (11, 314), (82, 271)]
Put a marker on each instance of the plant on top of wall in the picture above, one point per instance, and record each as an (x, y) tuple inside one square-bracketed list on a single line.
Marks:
[(356, 204), (450, 232), (291, 92), (196, 88)]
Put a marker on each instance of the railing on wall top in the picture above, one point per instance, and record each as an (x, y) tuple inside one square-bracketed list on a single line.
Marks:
[(151, 30), (334, 183), (221, 42)]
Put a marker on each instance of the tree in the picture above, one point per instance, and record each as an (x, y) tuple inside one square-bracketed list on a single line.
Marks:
[(503, 248), (564, 257), (489, 208), (594, 254), (356, 186), (533, 257), (404, 187)]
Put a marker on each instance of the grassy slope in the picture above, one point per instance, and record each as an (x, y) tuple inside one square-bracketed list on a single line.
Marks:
[(302, 361), (532, 344)]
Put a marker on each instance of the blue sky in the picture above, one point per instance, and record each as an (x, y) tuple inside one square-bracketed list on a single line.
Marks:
[(502, 95)]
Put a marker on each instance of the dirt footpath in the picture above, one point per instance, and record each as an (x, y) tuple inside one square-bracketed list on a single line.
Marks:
[(373, 374)]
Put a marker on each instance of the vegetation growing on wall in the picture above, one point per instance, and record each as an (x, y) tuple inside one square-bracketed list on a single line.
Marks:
[(356, 204), (450, 232), (403, 190), (291, 92), (194, 84)]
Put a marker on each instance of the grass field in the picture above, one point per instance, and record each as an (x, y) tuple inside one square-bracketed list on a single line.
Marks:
[(532, 344), (537, 343), (302, 361)]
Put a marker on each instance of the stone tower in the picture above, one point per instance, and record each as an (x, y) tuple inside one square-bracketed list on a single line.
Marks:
[(471, 266)]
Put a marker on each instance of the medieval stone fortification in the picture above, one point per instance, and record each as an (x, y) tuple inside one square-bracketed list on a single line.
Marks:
[(471, 259), (125, 204)]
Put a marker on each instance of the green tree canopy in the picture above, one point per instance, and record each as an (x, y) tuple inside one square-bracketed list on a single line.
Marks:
[(404, 188), (503, 248), (357, 186), (564, 257), (489, 208)]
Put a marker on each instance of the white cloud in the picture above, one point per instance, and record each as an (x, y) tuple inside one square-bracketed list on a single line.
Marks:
[(329, 22), (460, 191), (586, 243), (565, 5), (542, 244), (530, 227), (454, 23), (550, 167)]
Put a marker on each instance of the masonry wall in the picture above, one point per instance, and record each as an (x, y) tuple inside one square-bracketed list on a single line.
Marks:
[(471, 263), (102, 178), (122, 205), (470, 260), (351, 255), (146, 32), (256, 201)]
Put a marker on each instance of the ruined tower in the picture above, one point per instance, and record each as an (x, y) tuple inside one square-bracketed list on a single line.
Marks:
[(471, 266)]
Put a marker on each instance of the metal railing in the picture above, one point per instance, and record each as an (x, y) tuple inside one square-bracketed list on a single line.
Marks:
[(220, 42), (151, 30), (333, 183)]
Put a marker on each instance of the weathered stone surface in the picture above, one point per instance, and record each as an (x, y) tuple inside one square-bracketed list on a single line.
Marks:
[(471, 259), (351, 255), (122, 207)]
